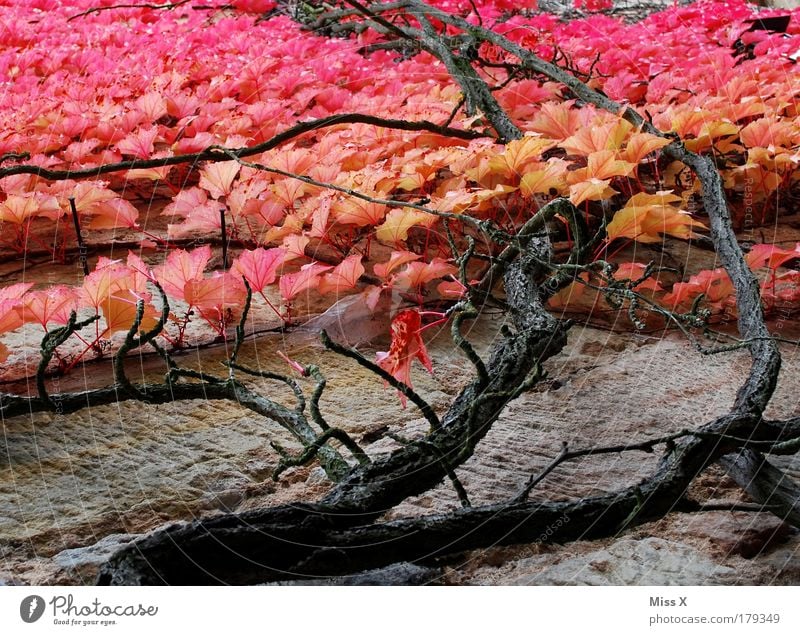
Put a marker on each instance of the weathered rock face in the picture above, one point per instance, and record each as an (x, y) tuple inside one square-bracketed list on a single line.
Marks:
[(73, 488)]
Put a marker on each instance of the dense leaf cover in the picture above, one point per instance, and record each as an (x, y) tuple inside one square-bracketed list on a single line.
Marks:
[(81, 91)]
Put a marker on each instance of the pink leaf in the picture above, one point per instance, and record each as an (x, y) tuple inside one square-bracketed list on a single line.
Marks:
[(260, 266), (181, 267), (219, 292), (114, 213), (185, 202), (416, 274), (50, 305), (292, 284), (139, 144), (397, 259), (11, 299)]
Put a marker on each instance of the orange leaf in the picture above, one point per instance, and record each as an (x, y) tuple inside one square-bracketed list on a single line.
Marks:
[(108, 278), (119, 312), (473, 200), (605, 165), (518, 154), (556, 120), (287, 190), (646, 216), (217, 178), (552, 177), (590, 139), (18, 209), (642, 144), (355, 211), (344, 276), (115, 213), (767, 131)]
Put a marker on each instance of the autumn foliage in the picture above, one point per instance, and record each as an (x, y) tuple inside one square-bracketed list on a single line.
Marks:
[(82, 91)]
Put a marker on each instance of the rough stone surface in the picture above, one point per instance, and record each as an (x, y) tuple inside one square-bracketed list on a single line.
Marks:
[(400, 574), (71, 488), (652, 561)]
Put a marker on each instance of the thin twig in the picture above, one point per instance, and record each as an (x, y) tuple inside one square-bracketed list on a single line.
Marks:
[(210, 156), (424, 407)]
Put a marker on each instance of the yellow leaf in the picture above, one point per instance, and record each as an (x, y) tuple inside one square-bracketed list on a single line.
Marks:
[(518, 154), (608, 136), (642, 144), (590, 190), (398, 221), (646, 216), (552, 176)]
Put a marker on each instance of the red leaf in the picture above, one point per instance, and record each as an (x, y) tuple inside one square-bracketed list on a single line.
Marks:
[(770, 256), (406, 345), (633, 271)]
